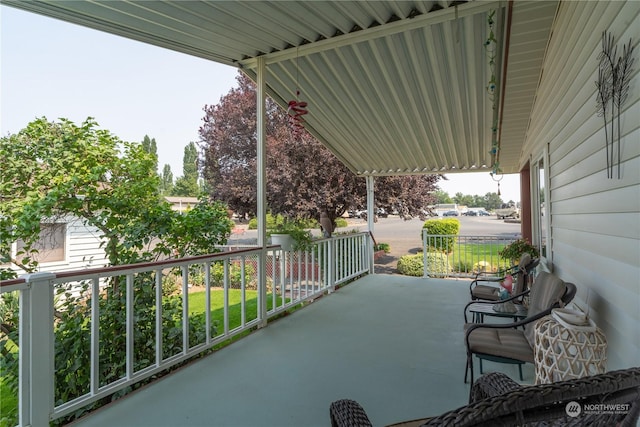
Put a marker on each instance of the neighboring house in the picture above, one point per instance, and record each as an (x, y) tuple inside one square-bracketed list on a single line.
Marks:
[(181, 203), (70, 244), (66, 244)]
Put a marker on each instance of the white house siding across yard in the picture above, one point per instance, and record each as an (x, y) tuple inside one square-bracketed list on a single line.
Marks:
[(595, 221), (82, 248)]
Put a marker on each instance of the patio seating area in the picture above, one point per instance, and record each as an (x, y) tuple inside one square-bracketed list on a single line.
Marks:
[(393, 343)]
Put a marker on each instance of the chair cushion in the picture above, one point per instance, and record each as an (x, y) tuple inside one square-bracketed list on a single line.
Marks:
[(546, 291), (486, 292), (510, 343), (525, 259)]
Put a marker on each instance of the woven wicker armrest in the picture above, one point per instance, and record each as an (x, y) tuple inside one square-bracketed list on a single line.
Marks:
[(348, 413), (492, 384)]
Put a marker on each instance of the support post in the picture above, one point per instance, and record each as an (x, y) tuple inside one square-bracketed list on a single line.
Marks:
[(525, 203), (262, 187), (370, 219), (36, 350)]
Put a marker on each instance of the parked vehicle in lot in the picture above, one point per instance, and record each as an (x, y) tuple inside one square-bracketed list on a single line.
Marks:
[(508, 212), (451, 213), (483, 213), (380, 213), (470, 213)]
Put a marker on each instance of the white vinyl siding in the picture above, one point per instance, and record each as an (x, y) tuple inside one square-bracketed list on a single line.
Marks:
[(595, 221), (82, 249)]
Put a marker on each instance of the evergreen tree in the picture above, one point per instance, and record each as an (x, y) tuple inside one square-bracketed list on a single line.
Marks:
[(166, 181), (187, 185), (149, 145)]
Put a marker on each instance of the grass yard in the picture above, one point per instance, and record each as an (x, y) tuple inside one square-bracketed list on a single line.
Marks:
[(197, 305), (466, 256), (9, 399), (8, 405)]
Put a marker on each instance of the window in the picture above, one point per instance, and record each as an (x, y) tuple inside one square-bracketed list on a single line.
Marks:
[(50, 246), (540, 205)]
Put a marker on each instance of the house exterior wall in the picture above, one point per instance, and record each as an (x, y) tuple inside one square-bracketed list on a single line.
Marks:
[(595, 221)]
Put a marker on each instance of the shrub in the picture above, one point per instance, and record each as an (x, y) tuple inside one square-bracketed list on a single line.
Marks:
[(382, 247), (413, 265), (341, 222), (235, 275), (438, 264), (441, 227), (273, 221), (513, 251)]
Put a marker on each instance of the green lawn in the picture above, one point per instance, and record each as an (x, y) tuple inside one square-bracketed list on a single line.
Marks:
[(197, 305), (8, 405), (467, 255)]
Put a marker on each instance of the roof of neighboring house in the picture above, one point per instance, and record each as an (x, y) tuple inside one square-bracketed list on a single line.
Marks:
[(176, 200)]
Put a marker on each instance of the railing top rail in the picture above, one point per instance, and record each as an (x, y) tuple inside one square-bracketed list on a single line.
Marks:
[(472, 236), (143, 266), (340, 236)]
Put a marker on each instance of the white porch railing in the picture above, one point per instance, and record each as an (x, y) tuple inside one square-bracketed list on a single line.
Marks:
[(462, 256), (267, 282)]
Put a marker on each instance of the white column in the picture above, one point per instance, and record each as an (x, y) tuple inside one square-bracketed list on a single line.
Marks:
[(370, 217), (36, 350), (261, 214)]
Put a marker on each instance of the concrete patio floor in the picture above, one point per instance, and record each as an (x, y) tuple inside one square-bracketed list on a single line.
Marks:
[(393, 343)]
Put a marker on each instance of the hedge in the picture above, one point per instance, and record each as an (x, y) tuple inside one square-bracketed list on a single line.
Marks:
[(441, 227)]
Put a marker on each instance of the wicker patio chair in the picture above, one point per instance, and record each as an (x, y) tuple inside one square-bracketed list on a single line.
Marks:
[(506, 342), (610, 399), (489, 292)]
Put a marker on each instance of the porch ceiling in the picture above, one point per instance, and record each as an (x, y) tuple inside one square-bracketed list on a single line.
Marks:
[(393, 87)]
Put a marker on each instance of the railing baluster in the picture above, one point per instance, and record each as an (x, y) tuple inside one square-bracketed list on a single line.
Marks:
[(95, 336), (243, 293), (158, 302), (207, 301), (225, 286), (129, 326), (185, 309)]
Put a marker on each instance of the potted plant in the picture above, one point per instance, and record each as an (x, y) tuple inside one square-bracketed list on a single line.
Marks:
[(290, 236), (514, 250)]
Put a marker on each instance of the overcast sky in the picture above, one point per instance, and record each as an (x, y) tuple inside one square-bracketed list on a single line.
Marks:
[(54, 69)]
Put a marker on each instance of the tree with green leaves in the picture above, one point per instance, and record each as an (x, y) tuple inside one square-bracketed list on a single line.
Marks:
[(187, 184), (58, 169), (492, 201), (149, 145), (166, 181), (442, 197), (55, 169)]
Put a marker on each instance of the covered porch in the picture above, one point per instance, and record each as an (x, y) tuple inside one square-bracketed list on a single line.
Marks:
[(405, 88), (394, 343)]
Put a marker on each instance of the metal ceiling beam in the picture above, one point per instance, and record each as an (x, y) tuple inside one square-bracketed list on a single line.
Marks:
[(432, 18)]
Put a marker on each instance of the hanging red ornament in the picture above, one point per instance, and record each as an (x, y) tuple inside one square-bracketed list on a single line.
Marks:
[(297, 109)]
